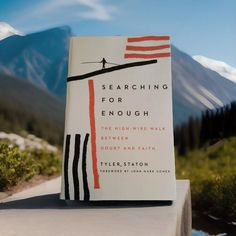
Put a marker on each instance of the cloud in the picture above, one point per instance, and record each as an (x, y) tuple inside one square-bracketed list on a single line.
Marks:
[(96, 10), (54, 12), (92, 9)]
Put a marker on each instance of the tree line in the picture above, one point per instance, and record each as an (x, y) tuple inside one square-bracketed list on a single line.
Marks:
[(209, 128), (13, 119)]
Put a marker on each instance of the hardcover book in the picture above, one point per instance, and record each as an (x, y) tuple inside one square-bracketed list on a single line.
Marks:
[(118, 141)]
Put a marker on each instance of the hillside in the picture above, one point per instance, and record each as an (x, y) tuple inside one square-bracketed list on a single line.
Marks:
[(212, 172), (25, 106)]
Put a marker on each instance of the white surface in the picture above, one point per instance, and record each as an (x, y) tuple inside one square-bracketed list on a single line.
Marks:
[(38, 211)]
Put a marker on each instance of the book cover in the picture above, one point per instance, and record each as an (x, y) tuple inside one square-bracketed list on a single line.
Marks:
[(118, 141)]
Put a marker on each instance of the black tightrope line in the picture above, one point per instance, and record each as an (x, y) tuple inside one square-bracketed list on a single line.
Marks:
[(110, 69)]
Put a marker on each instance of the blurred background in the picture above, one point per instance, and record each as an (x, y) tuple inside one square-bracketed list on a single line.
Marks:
[(34, 37)]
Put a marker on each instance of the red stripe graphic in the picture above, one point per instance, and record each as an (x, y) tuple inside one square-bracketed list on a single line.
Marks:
[(147, 48), (145, 38), (93, 133), (146, 56)]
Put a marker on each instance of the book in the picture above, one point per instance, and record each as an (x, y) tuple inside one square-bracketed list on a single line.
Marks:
[(118, 141)]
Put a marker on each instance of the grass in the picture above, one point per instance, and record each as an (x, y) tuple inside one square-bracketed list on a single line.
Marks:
[(212, 172)]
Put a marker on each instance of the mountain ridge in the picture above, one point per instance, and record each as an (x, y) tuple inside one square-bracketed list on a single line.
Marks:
[(42, 57), (37, 56)]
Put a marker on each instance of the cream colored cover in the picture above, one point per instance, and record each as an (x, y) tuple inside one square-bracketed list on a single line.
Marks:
[(119, 128)]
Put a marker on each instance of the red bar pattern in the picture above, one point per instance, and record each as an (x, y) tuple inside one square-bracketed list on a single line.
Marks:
[(147, 48), (147, 56), (145, 38), (93, 133)]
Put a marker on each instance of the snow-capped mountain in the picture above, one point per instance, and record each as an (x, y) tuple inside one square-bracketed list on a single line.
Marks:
[(6, 30), (41, 58), (220, 67), (197, 88)]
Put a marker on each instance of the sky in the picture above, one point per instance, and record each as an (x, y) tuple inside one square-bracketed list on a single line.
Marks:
[(197, 27)]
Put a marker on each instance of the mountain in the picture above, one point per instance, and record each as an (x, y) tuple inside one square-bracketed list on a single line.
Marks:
[(24, 106), (40, 58), (6, 30), (220, 67), (196, 88)]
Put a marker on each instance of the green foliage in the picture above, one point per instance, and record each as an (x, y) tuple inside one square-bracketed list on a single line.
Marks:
[(48, 163), (16, 165), (212, 172)]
